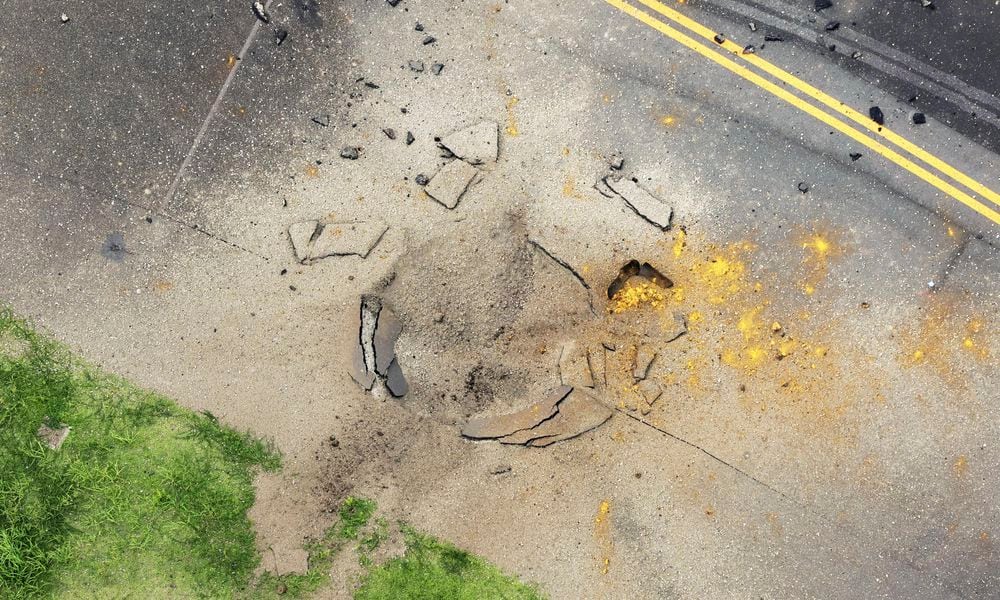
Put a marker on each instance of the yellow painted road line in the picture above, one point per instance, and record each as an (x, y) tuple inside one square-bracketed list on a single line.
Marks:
[(815, 112), (828, 100)]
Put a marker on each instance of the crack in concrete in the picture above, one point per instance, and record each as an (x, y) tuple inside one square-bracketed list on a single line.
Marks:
[(576, 275)]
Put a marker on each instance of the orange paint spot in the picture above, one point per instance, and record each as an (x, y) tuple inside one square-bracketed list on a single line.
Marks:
[(960, 466), (312, 171), (602, 534), (231, 61)]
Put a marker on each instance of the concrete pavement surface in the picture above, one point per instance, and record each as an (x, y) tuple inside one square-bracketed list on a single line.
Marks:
[(826, 425)]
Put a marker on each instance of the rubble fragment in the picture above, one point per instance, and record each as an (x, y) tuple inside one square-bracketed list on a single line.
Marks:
[(322, 120), (919, 118), (313, 240), (409, 138), (832, 26), (876, 115), (64, 18), (53, 436), (644, 356), (280, 35), (392, 3), (634, 269), (395, 382), (389, 133), (450, 183), (419, 26), (752, 25), (475, 145), (649, 392), (577, 414), (373, 358), (854, 156), (749, 49), (417, 66), (261, 13), (773, 38), (350, 152), (803, 187), (856, 55), (436, 68), (719, 38), (616, 161), (421, 179), (430, 39), (387, 330), (641, 201), (823, 4), (574, 366), (497, 427)]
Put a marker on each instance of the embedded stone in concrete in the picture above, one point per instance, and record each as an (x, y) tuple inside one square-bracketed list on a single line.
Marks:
[(476, 144), (642, 202), (495, 427), (450, 183)]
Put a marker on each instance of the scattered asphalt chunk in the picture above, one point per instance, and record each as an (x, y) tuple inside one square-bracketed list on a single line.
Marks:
[(634, 269), (803, 187), (53, 437), (477, 144), (428, 40), (436, 68), (389, 133), (359, 371), (371, 85), (719, 38), (854, 156), (832, 26), (773, 38), (496, 427), (421, 179), (350, 152), (392, 3), (574, 368), (919, 118), (644, 356), (832, 47), (419, 26), (642, 201), (450, 183), (280, 35), (64, 18), (876, 115), (749, 49), (261, 13), (314, 240), (417, 66), (823, 4), (387, 330), (409, 138), (322, 120), (577, 414), (752, 25)]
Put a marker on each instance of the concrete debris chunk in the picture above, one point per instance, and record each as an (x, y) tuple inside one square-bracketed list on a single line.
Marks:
[(597, 360), (579, 413), (409, 138), (642, 202), (919, 118), (389, 133), (497, 427), (358, 368), (803, 187), (616, 161), (314, 240), (322, 120), (436, 68), (574, 366), (634, 269), (387, 330), (476, 145), (644, 356), (261, 13), (395, 382), (876, 115), (417, 66), (350, 152), (450, 183), (428, 40), (373, 356), (649, 392), (832, 26), (53, 436)]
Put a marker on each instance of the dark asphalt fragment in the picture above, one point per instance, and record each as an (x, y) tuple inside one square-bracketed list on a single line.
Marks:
[(854, 156), (113, 247), (773, 38), (321, 120), (261, 13), (280, 35), (421, 179), (419, 26), (429, 40), (371, 85), (876, 115), (395, 381), (719, 38), (616, 161), (823, 4), (350, 152), (832, 26), (803, 187), (417, 66), (392, 3), (856, 55), (409, 138), (749, 49), (919, 118), (436, 68), (387, 330), (389, 133)]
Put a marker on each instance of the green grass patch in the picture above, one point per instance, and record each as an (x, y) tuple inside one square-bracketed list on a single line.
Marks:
[(144, 498)]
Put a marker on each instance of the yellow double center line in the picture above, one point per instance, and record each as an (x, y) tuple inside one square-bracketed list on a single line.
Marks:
[(821, 97)]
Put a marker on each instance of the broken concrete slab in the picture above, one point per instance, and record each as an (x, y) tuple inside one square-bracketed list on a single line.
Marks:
[(644, 356), (503, 425), (642, 202), (358, 368), (387, 330), (53, 436), (476, 144), (574, 366), (577, 414), (295, 560), (314, 240), (649, 392), (395, 382), (450, 183)]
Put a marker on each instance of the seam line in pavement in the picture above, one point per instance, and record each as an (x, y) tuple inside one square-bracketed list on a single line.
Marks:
[(826, 99), (168, 198), (813, 111)]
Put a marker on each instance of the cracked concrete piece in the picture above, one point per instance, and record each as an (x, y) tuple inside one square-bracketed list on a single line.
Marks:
[(358, 370), (650, 391), (295, 560), (574, 367), (495, 427), (53, 437), (301, 235), (669, 329), (450, 183), (578, 413), (387, 330), (642, 202), (476, 144), (395, 381), (342, 239), (644, 356)]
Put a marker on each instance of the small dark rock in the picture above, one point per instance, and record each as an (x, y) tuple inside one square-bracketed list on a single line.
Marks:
[(773, 38), (803, 187), (854, 156), (832, 47), (749, 49), (261, 13), (436, 68), (429, 40), (389, 133), (422, 179), (392, 3), (149, 219), (616, 161), (280, 35), (876, 115), (919, 118), (371, 85), (409, 138), (350, 152), (321, 120), (823, 4), (419, 26), (832, 26), (719, 38), (417, 66)]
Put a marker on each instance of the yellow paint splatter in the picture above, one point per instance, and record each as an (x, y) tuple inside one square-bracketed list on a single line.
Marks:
[(231, 61), (634, 295), (602, 532), (821, 248), (512, 130), (668, 120), (565, 151), (679, 243), (960, 466), (569, 188)]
